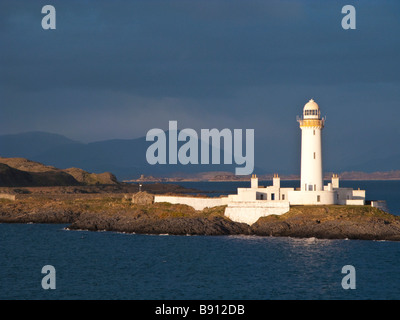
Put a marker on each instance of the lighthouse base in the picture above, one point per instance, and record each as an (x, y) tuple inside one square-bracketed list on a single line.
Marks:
[(312, 197)]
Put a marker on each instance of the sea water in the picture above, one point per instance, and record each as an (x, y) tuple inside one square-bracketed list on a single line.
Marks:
[(110, 265)]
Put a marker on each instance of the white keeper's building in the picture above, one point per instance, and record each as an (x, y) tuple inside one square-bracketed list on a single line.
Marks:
[(249, 204)]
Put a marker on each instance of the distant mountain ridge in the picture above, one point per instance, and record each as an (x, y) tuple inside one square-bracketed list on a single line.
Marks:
[(126, 158), (30, 144)]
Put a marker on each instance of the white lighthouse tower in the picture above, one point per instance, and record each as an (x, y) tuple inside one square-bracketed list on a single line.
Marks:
[(311, 125), (249, 204)]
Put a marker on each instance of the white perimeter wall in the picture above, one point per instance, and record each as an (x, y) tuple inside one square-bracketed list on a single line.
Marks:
[(250, 211), (7, 196), (311, 197), (195, 202)]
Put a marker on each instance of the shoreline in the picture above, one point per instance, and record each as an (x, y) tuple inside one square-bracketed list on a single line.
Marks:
[(118, 214), (243, 180), (196, 235)]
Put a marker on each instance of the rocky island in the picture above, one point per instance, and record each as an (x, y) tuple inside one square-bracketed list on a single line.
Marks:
[(34, 193), (116, 212)]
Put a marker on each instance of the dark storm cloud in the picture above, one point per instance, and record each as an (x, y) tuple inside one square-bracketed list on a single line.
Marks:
[(192, 48), (118, 68)]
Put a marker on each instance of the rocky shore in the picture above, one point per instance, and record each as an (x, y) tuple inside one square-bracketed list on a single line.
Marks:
[(331, 222), (117, 213)]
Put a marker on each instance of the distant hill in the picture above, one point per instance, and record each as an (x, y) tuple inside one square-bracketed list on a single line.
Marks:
[(390, 163), (378, 175), (26, 165), (228, 176), (21, 172), (88, 178), (126, 158), (11, 177), (31, 144)]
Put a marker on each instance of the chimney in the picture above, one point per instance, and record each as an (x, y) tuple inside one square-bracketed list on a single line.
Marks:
[(254, 181)]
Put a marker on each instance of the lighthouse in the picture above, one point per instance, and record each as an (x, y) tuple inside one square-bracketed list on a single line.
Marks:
[(249, 204), (311, 125)]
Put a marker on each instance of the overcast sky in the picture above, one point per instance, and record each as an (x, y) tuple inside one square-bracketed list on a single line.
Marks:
[(116, 69)]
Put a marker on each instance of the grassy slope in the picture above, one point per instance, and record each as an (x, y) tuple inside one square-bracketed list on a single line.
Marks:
[(333, 212), (106, 206)]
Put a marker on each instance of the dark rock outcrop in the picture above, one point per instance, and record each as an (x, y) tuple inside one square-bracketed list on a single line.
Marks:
[(143, 197), (11, 177), (172, 225), (116, 214), (331, 222)]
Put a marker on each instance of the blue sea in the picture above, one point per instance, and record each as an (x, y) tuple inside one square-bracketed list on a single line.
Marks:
[(109, 265)]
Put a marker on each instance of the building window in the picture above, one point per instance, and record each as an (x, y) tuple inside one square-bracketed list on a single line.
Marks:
[(261, 197), (314, 155), (318, 198), (283, 197), (272, 196), (315, 187), (310, 187), (311, 112)]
